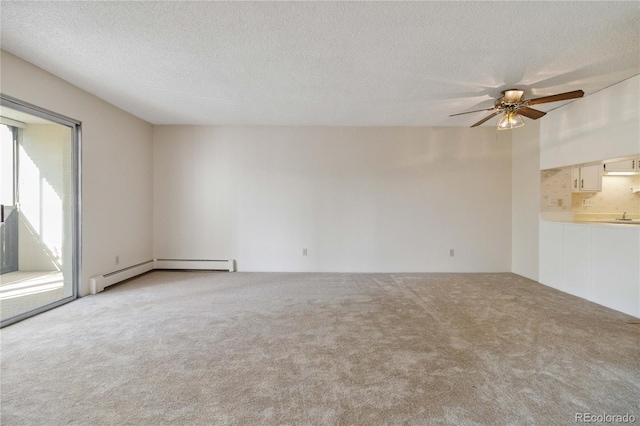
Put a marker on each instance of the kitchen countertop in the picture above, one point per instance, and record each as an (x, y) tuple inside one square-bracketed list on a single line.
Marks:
[(608, 222), (632, 224)]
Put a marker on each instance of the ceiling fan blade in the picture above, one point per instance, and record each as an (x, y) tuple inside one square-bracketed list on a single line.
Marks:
[(490, 116), (469, 112), (531, 113), (556, 98)]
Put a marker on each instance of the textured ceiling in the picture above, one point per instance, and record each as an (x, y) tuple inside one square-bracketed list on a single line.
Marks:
[(324, 63)]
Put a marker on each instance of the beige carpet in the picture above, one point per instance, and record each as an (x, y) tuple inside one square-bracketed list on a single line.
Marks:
[(199, 348)]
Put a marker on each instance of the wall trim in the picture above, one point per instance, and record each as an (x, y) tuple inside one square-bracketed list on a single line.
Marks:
[(99, 282)]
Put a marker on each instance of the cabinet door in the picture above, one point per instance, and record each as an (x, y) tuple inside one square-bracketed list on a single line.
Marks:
[(551, 247), (621, 166), (577, 264), (616, 271), (575, 179), (591, 178)]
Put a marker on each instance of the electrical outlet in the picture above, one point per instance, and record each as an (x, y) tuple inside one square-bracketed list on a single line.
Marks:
[(451, 252), (560, 202), (587, 202), (304, 252)]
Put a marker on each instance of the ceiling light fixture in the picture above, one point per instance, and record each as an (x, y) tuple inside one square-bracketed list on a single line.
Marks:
[(510, 120), (620, 173)]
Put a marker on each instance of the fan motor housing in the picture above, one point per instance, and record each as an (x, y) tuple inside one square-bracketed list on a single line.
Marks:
[(511, 96)]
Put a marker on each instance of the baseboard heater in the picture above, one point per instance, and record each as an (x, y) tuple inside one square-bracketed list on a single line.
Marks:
[(198, 264), (100, 282)]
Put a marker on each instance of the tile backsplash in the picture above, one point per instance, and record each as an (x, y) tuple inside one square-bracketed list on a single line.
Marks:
[(616, 196), (555, 190)]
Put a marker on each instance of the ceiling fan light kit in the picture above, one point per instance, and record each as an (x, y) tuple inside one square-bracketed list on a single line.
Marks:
[(512, 105), (510, 120)]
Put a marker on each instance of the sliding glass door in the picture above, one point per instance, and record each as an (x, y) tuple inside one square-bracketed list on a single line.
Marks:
[(40, 210), (8, 212)]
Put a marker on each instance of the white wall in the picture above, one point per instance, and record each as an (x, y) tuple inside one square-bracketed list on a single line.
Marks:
[(117, 167), (601, 126), (525, 186), (359, 199)]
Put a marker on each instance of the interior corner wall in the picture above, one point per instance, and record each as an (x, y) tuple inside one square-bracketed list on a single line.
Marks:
[(117, 167), (382, 199), (525, 212)]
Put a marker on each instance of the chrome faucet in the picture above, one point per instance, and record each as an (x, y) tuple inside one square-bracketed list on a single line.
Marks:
[(624, 217)]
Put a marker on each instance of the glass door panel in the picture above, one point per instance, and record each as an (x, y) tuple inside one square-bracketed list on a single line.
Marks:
[(38, 197), (8, 211)]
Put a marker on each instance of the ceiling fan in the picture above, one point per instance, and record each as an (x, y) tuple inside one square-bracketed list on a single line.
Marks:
[(513, 104)]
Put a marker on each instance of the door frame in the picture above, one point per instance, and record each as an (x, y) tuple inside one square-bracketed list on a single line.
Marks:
[(14, 195), (76, 184)]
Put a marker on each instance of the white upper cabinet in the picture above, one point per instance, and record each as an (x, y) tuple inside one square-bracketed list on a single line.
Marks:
[(587, 179), (626, 166)]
